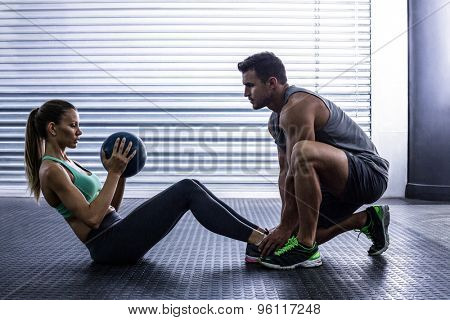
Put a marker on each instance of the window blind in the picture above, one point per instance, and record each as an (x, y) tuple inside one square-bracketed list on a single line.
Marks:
[(166, 71)]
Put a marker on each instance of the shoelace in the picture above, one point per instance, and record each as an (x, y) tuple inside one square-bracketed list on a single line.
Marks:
[(290, 244), (365, 232)]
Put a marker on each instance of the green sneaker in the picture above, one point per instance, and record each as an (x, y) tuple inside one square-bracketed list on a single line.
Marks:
[(293, 255), (376, 229)]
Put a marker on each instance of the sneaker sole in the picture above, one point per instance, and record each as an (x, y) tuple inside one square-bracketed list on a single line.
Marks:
[(385, 222), (377, 253), (250, 259), (304, 264)]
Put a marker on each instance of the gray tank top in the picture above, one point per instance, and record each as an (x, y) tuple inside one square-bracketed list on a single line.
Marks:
[(340, 131)]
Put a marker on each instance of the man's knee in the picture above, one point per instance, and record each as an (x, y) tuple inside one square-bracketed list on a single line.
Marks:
[(304, 155)]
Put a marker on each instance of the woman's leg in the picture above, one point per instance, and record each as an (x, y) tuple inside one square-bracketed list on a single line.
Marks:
[(130, 239), (230, 210)]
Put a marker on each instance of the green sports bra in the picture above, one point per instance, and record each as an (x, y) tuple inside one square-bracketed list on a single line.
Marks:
[(89, 185)]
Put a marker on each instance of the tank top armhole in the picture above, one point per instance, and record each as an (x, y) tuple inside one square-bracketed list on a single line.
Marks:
[(65, 165)]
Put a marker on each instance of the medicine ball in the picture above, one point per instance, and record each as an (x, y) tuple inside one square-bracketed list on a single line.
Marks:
[(137, 163)]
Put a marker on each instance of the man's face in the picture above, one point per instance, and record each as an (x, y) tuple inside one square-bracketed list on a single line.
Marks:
[(256, 91)]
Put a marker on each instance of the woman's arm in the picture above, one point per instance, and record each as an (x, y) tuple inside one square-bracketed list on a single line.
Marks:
[(92, 214), (118, 196)]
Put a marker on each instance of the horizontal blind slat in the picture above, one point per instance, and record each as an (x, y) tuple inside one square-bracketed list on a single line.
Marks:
[(167, 72)]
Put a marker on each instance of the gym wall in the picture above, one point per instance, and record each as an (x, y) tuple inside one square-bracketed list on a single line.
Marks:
[(166, 71), (429, 100)]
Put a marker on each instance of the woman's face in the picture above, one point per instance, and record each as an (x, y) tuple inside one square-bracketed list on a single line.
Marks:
[(67, 132)]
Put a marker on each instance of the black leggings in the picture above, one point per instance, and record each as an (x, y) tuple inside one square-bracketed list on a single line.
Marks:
[(123, 241)]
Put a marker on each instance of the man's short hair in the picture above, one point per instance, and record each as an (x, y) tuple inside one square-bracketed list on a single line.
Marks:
[(266, 65)]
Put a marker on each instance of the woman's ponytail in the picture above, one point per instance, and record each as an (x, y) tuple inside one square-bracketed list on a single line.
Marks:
[(35, 136), (34, 145)]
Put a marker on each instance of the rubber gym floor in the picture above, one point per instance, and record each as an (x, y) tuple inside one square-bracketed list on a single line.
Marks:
[(41, 258)]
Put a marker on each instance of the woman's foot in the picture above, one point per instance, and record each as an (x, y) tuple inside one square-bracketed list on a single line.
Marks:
[(252, 253)]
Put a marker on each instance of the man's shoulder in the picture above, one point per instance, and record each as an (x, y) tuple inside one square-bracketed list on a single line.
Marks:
[(299, 107)]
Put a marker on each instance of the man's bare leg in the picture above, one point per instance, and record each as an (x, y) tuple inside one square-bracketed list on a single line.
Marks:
[(355, 221), (314, 164)]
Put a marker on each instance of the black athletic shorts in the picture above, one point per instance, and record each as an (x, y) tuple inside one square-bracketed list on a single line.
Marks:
[(364, 185)]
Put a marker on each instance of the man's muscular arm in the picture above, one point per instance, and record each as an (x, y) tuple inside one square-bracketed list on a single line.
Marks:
[(282, 176), (297, 121)]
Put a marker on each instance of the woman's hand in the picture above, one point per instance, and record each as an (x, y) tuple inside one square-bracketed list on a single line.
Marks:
[(119, 159)]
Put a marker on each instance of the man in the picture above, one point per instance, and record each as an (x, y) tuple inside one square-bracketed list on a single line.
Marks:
[(328, 169)]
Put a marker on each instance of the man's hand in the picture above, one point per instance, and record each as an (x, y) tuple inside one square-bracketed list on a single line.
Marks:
[(275, 240)]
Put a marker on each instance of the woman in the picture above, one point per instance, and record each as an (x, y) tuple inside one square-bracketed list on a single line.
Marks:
[(90, 208)]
